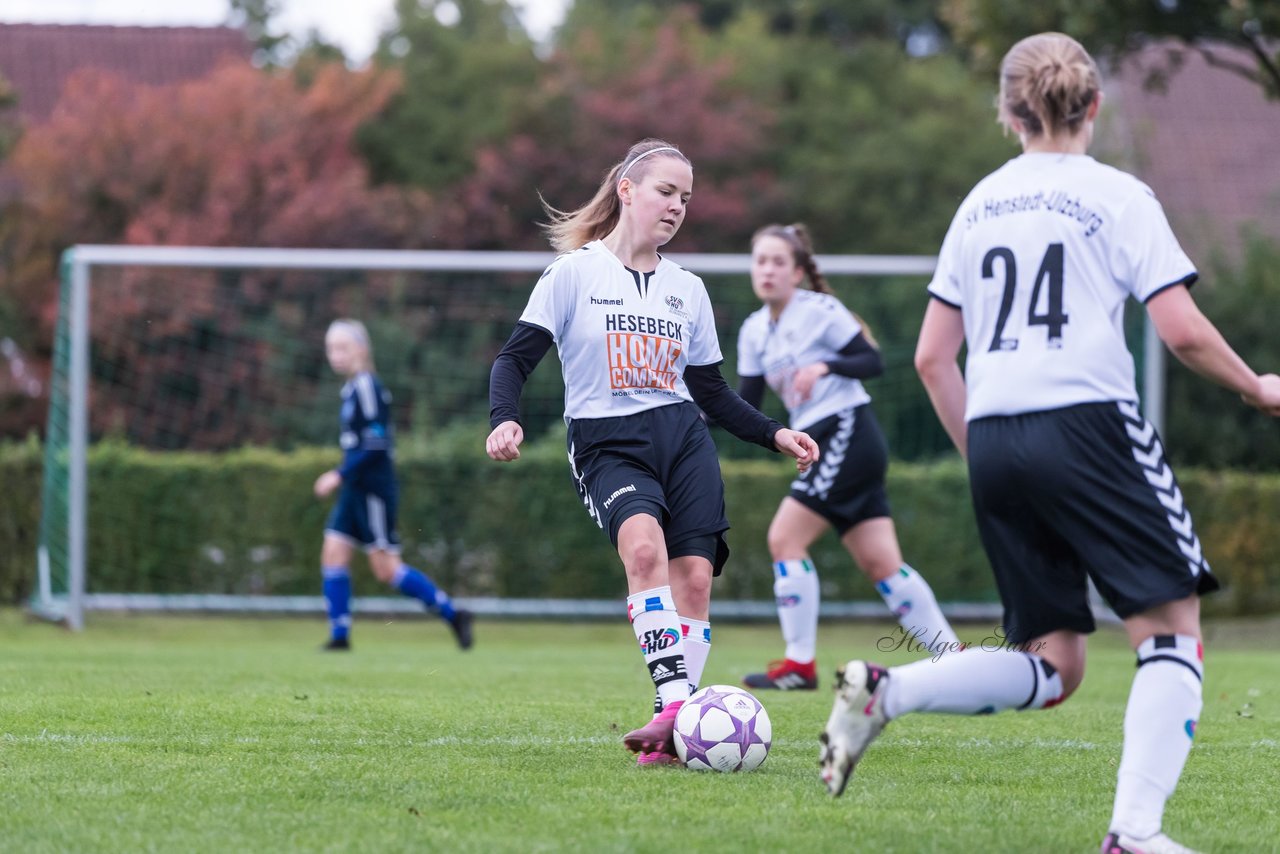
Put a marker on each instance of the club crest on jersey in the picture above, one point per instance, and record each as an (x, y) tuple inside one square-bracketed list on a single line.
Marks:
[(677, 306)]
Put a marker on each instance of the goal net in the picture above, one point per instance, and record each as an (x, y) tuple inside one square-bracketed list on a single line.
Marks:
[(180, 373)]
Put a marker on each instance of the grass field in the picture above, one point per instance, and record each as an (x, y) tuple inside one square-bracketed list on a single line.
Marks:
[(202, 734)]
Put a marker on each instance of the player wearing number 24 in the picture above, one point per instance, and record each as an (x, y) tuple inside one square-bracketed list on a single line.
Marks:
[(1069, 481)]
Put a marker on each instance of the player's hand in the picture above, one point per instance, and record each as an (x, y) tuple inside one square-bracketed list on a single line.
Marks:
[(327, 483), (503, 443), (799, 445), (1267, 395), (803, 380)]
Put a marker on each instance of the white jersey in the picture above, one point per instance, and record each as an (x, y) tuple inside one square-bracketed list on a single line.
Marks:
[(813, 327), (624, 337), (1040, 259)]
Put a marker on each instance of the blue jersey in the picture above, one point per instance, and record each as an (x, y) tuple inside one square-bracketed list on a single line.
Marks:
[(366, 437)]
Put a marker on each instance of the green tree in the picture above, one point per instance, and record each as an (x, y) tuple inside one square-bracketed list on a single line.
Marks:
[(1207, 425), (603, 89), (875, 148), (987, 28), (838, 21), (255, 18), (465, 82)]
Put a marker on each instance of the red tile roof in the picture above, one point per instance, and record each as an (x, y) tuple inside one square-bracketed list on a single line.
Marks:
[(1209, 145), (36, 59)]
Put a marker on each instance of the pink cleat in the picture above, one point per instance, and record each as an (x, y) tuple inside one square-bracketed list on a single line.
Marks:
[(655, 758), (655, 736)]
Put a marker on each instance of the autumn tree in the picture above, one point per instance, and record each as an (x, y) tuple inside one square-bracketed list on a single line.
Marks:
[(239, 158)]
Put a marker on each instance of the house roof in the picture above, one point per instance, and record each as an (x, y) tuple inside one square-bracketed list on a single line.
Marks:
[(1208, 145), (37, 59)]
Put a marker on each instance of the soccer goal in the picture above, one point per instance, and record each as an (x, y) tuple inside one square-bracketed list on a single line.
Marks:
[(200, 357)]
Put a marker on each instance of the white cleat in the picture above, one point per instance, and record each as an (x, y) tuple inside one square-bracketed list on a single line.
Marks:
[(856, 719), (1122, 843)]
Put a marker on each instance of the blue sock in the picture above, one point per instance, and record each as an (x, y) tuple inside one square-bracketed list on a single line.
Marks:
[(411, 582), (337, 593)]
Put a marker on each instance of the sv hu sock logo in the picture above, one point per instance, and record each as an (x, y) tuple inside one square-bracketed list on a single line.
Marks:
[(656, 640)]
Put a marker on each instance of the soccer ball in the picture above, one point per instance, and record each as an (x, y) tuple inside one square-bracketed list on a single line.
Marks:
[(722, 728)]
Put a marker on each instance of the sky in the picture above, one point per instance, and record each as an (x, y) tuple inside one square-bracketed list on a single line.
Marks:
[(352, 24)]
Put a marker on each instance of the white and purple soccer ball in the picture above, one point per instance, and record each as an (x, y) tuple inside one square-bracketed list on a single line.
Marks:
[(723, 728)]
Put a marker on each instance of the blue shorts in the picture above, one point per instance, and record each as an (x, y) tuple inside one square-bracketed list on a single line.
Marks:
[(661, 461), (364, 519)]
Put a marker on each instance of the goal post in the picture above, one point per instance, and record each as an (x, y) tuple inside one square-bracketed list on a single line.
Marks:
[(348, 280)]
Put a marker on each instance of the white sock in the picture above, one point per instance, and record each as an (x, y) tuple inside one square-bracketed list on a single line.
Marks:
[(974, 682), (657, 627), (912, 601), (697, 646), (1159, 723), (795, 587)]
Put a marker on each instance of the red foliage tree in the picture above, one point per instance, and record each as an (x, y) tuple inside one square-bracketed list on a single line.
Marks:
[(241, 157)]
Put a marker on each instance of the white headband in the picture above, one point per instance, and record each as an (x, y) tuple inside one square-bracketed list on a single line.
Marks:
[(356, 333), (640, 157)]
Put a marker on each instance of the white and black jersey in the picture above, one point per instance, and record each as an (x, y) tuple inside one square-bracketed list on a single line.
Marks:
[(1040, 259), (1069, 481), (813, 327), (637, 351), (624, 337)]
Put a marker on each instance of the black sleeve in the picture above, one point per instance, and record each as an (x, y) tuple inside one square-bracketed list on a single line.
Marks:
[(751, 389), (520, 355), (712, 394), (857, 359)]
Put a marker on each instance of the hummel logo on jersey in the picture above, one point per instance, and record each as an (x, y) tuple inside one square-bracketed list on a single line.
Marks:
[(595, 301)]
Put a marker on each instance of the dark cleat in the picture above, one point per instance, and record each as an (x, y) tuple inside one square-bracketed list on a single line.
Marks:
[(461, 625)]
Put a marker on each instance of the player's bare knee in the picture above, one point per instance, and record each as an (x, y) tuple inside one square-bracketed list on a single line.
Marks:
[(784, 546), (877, 568), (384, 565), (335, 552), (695, 585), (645, 564)]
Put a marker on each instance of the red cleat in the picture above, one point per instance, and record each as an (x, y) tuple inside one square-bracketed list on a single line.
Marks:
[(785, 675)]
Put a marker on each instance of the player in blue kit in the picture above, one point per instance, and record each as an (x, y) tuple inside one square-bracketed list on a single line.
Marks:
[(365, 513), (1069, 481), (813, 353), (639, 352)]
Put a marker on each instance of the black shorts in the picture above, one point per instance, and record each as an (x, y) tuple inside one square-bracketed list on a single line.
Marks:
[(1083, 490), (660, 461), (847, 485)]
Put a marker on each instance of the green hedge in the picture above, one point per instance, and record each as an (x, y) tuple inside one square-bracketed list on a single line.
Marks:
[(20, 476), (246, 522)]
